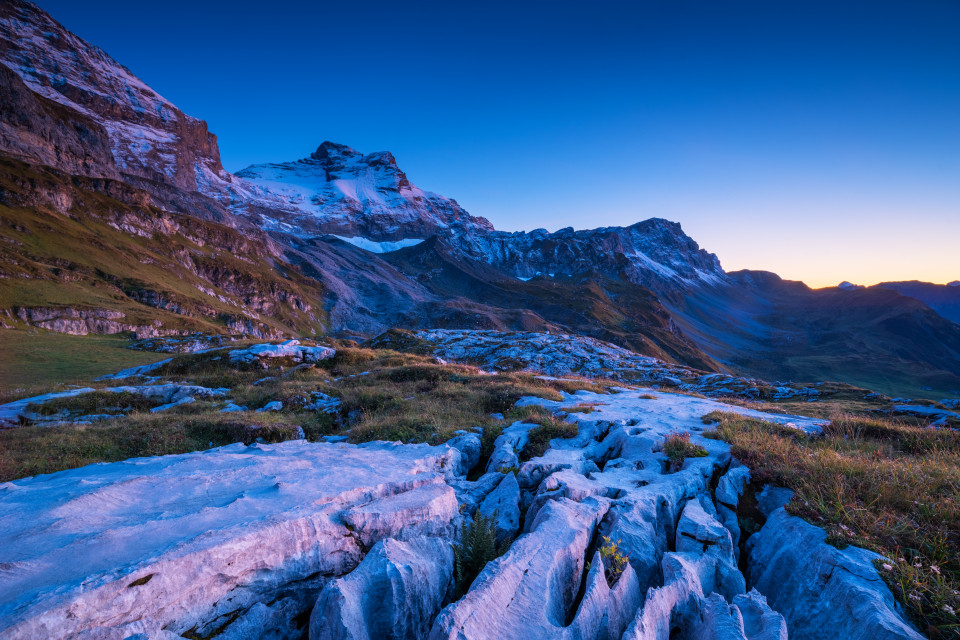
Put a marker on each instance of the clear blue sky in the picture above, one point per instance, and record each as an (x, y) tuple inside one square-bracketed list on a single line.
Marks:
[(820, 140)]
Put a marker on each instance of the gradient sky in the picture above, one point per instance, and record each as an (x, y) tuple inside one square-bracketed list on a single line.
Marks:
[(819, 140)]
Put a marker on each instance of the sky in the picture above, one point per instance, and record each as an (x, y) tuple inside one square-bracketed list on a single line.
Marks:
[(818, 140)]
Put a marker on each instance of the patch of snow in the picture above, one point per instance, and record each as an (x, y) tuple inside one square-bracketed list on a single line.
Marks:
[(380, 247), (849, 286), (653, 265)]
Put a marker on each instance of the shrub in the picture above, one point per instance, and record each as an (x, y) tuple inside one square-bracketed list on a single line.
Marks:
[(583, 407), (478, 546), (614, 560)]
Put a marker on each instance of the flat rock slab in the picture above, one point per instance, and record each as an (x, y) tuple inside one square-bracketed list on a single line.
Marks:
[(190, 538), (664, 412)]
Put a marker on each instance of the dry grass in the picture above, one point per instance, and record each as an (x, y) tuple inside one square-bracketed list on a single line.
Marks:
[(677, 447), (538, 438), (385, 395), (880, 484), (29, 451)]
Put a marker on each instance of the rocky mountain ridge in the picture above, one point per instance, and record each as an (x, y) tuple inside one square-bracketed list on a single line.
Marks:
[(380, 251)]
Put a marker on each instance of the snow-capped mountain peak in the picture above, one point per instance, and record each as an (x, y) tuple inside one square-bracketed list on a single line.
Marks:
[(340, 190)]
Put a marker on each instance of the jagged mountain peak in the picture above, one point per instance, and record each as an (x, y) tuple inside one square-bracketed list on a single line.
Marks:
[(336, 156), (330, 150), (339, 190)]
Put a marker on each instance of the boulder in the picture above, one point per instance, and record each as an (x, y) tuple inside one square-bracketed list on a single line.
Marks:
[(823, 592), (289, 349), (468, 444), (394, 594), (503, 506)]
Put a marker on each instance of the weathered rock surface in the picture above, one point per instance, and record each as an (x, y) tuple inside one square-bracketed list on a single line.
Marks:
[(290, 349), (557, 354), (823, 592), (508, 445), (196, 540), (394, 594), (529, 592), (468, 444), (168, 394), (503, 506), (242, 542)]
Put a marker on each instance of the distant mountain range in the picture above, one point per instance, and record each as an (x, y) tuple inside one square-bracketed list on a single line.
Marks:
[(117, 215)]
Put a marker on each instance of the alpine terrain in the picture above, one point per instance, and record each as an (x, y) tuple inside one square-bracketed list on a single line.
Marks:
[(311, 399)]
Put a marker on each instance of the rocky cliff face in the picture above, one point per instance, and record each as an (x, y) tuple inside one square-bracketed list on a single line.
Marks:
[(147, 135), (655, 253)]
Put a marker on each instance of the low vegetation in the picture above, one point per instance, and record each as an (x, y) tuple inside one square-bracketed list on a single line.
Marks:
[(38, 361), (614, 560), (677, 447), (384, 395), (29, 451), (478, 546), (95, 402), (549, 427), (875, 483)]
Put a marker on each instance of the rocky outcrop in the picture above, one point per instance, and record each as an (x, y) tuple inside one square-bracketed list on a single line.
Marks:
[(530, 591), (291, 349), (394, 594), (654, 253), (248, 540), (202, 541), (823, 592), (502, 505), (80, 322), (163, 396), (559, 354), (40, 130)]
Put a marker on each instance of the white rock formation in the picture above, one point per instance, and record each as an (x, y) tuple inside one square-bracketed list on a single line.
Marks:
[(823, 592), (394, 594), (503, 506), (289, 349), (191, 541), (529, 592), (469, 445), (507, 447), (241, 542), (168, 394)]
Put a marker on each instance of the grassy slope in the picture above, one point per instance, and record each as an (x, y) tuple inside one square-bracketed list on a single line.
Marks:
[(38, 361), (78, 259)]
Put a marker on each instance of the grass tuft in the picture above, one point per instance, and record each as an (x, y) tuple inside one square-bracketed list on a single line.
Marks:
[(875, 483)]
